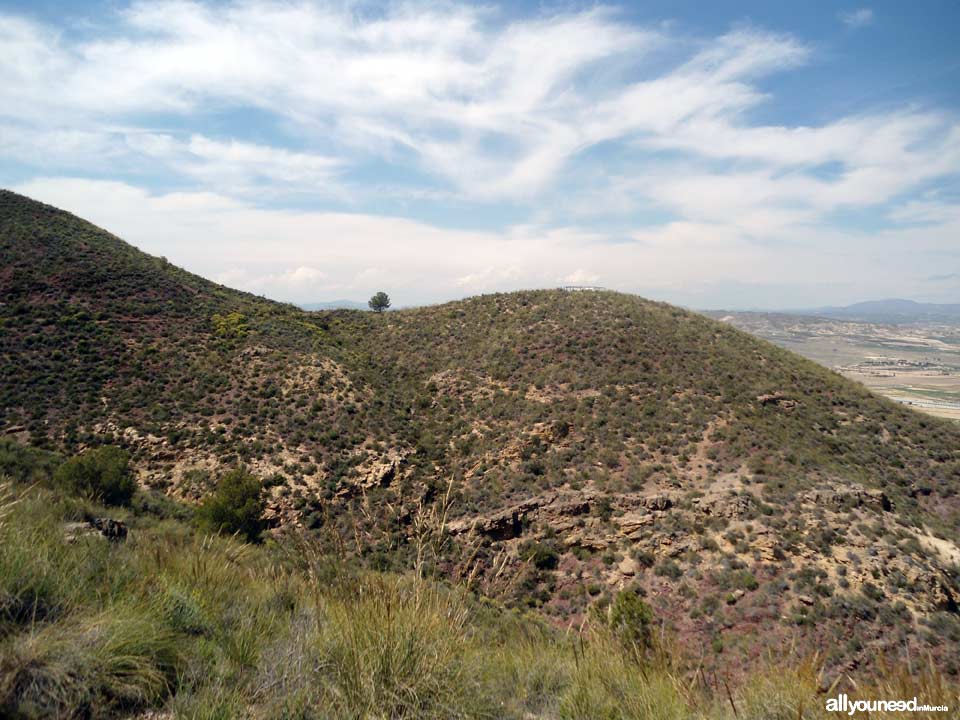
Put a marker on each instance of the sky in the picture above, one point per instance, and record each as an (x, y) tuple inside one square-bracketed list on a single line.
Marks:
[(715, 155)]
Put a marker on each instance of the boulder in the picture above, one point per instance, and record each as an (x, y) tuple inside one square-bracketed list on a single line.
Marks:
[(777, 399), (105, 528)]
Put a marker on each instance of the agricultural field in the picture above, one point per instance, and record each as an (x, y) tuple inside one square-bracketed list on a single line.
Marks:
[(916, 364)]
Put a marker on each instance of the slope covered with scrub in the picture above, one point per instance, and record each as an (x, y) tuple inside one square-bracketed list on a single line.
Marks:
[(547, 449), (172, 624)]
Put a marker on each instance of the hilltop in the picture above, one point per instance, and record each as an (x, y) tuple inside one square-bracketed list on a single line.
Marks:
[(547, 448)]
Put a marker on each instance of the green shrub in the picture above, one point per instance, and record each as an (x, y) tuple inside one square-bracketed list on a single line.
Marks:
[(542, 555), (231, 325), (668, 568), (236, 507), (630, 620), (25, 464), (182, 612), (102, 473)]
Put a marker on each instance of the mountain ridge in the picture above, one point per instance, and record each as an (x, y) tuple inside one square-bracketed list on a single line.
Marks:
[(578, 442), (890, 310)]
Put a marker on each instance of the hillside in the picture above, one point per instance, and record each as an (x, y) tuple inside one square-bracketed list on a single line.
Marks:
[(171, 623), (917, 364), (545, 448)]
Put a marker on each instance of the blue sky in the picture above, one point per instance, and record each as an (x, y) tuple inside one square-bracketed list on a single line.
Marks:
[(753, 154)]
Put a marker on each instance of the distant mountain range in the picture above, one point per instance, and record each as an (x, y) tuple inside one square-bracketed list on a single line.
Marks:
[(335, 305), (888, 311)]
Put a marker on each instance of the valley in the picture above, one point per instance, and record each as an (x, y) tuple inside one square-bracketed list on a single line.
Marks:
[(916, 363)]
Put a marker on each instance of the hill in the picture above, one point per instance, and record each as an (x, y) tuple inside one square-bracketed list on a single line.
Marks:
[(917, 364), (170, 623), (544, 448)]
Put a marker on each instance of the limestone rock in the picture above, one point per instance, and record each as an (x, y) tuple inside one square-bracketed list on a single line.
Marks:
[(628, 566), (777, 399)]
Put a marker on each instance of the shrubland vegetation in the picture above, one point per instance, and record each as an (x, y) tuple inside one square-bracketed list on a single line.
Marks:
[(580, 445), (101, 473), (208, 627), (235, 507)]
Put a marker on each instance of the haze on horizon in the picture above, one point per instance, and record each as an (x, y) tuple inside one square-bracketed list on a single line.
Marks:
[(763, 155)]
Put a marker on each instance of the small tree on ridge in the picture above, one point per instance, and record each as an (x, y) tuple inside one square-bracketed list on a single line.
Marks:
[(379, 302)]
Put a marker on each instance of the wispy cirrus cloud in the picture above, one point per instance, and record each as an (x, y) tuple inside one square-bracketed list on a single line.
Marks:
[(442, 83), (564, 132), (861, 17)]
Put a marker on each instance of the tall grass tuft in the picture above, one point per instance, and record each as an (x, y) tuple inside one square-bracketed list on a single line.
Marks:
[(207, 628), (398, 649), (790, 693), (609, 684), (95, 665)]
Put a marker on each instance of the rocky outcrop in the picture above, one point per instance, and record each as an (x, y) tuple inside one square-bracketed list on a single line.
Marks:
[(657, 503), (632, 523), (853, 495), (561, 511), (726, 506), (382, 474), (379, 473), (504, 525), (777, 399), (106, 528)]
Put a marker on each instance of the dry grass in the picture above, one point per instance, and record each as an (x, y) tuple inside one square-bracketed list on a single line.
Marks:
[(207, 628)]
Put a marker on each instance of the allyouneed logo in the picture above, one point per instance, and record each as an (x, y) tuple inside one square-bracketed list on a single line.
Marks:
[(843, 704)]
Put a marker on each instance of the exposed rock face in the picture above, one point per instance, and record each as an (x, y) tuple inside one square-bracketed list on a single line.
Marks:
[(380, 473), (848, 497), (777, 399), (633, 522), (560, 510), (657, 502), (504, 525), (729, 506)]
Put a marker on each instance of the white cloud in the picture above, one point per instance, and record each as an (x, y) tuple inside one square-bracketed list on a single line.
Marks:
[(241, 167), (861, 17), (443, 82), (497, 110), (287, 283), (460, 106), (579, 277), (309, 256)]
